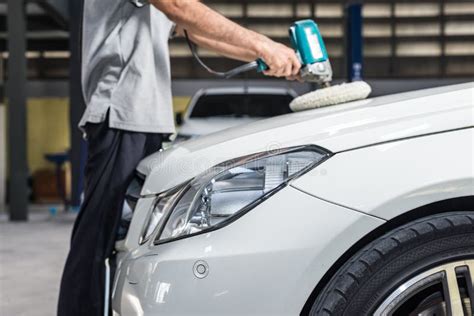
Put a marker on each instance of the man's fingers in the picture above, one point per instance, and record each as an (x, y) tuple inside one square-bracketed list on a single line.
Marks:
[(296, 66), (283, 63), (279, 68), (288, 69), (281, 60)]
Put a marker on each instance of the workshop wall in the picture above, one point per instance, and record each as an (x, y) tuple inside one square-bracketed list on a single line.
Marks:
[(402, 39), (48, 128)]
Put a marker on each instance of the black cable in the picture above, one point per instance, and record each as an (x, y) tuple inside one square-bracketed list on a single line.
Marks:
[(226, 75)]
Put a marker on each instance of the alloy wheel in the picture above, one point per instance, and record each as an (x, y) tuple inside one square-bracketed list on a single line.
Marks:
[(446, 290)]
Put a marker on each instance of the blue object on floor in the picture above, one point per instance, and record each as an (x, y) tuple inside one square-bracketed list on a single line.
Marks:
[(53, 211)]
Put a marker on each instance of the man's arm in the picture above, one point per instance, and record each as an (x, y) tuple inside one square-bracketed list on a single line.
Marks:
[(204, 22), (224, 49)]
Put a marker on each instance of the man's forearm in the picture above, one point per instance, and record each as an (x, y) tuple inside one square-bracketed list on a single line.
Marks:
[(230, 51), (200, 20)]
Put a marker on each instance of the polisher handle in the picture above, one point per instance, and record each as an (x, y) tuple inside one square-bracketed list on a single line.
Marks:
[(261, 65)]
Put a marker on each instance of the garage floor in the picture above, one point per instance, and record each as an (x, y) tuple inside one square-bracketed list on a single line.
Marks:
[(31, 259)]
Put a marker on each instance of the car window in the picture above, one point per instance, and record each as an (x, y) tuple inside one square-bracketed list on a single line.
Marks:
[(240, 105)]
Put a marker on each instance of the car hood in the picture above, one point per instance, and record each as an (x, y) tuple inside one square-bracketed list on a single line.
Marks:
[(204, 126), (337, 128)]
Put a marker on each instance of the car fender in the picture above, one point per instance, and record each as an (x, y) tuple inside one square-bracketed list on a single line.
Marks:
[(389, 179)]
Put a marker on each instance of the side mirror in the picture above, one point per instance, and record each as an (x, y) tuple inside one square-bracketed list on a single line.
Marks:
[(179, 118)]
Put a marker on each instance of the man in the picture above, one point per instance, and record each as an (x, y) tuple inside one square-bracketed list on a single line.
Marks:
[(127, 88)]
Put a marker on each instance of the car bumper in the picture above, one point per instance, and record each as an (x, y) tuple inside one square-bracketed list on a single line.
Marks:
[(266, 263)]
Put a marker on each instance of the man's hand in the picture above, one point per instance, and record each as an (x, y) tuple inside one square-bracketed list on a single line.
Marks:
[(281, 60)]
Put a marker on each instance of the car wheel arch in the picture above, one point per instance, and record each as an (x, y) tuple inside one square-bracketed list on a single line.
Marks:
[(459, 204)]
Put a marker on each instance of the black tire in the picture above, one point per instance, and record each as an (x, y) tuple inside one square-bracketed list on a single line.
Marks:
[(361, 284)]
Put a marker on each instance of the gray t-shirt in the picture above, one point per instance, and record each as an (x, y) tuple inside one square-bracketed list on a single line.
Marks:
[(126, 66)]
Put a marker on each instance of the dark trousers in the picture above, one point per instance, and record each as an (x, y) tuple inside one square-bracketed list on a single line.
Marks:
[(112, 158)]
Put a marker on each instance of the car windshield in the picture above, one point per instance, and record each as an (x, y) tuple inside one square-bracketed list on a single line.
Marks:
[(242, 105)]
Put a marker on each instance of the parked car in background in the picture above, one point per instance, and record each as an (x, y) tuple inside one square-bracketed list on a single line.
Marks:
[(214, 109), (364, 208)]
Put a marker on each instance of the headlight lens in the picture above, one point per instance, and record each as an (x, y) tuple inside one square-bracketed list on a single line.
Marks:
[(162, 204), (227, 191)]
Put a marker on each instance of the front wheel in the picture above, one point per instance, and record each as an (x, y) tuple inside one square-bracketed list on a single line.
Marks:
[(423, 268)]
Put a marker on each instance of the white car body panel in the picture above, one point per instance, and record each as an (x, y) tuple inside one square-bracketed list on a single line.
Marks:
[(269, 260), (336, 128), (159, 280), (347, 179)]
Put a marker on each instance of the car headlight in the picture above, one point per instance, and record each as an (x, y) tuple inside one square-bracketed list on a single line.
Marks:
[(227, 191)]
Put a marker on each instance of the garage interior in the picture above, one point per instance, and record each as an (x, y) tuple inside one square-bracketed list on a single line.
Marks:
[(407, 45)]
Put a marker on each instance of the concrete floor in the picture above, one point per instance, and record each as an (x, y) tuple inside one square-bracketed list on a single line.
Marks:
[(32, 256)]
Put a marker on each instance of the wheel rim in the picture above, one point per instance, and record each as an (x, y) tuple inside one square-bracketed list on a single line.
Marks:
[(444, 290)]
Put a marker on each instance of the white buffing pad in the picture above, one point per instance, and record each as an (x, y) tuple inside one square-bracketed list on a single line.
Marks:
[(342, 93)]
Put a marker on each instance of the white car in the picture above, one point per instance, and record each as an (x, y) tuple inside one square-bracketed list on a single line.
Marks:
[(215, 109), (365, 208)]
